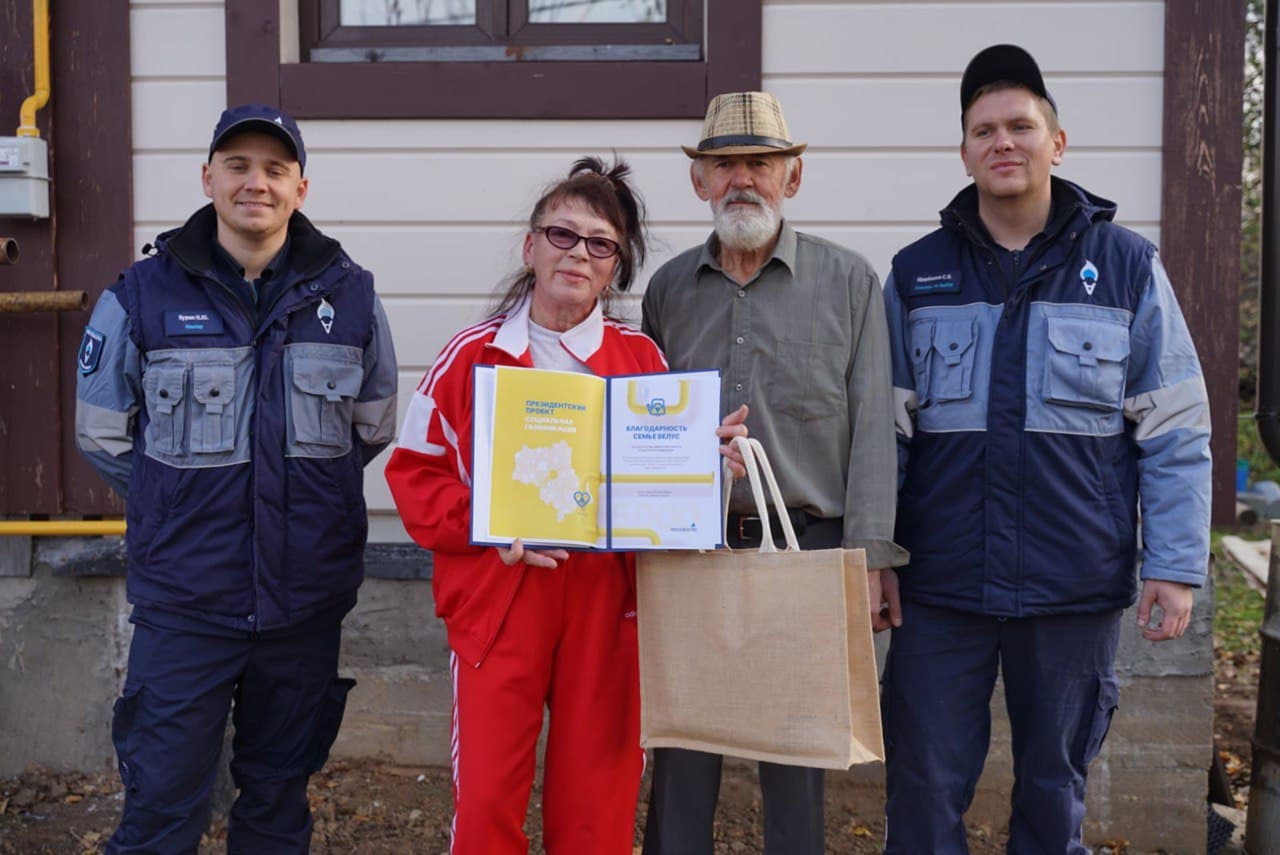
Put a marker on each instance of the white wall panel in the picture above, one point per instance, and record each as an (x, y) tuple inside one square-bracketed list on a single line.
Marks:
[(939, 38), (913, 113), (177, 42), (175, 115)]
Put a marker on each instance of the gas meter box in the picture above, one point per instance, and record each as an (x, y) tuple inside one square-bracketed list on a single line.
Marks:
[(24, 177)]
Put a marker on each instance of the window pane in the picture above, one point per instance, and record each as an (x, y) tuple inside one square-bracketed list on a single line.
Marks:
[(405, 13), (597, 11)]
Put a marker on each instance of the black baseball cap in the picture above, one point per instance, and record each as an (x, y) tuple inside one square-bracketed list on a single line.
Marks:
[(1002, 63), (261, 119)]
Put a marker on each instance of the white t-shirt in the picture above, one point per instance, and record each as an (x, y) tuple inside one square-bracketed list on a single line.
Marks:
[(547, 352)]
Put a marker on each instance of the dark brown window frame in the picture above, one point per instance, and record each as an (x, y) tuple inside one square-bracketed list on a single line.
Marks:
[(499, 23), (510, 89)]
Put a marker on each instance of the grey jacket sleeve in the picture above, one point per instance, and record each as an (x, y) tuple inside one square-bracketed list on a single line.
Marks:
[(872, 492), (375, 408), (108, 392)]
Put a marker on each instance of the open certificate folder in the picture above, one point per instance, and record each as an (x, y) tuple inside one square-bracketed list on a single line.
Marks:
[(613, 463)]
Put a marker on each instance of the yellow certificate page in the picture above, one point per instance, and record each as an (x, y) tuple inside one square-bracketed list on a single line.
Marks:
[(546, 458)]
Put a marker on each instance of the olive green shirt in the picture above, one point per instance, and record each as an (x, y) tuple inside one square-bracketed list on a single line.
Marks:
[(805, 344)]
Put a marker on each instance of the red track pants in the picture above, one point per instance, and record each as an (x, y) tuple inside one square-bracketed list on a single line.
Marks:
[(568, 643)]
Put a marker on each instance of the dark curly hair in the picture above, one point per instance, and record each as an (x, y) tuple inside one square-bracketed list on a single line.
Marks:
[(607, 191)]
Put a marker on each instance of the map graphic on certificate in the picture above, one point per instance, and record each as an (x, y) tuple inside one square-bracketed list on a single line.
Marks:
[(618, 463)]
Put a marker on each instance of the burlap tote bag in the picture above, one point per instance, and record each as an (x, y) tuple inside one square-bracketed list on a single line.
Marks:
[(765, 655)]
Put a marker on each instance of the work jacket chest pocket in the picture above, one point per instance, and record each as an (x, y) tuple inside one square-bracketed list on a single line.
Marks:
[(942, 355), (164, 388), (214, 389), (324, 383), (193, 399), (1085, 363)]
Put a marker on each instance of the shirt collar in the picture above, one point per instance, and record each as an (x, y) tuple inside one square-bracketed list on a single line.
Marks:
[(227, 261), (582, 341), (1061, 210), (784, 250)]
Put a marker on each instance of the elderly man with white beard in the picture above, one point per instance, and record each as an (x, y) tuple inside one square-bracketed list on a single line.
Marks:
[(796, 326)]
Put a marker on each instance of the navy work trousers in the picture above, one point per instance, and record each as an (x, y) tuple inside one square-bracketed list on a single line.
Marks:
[(1060, 692), (686, 784), (169, 723)]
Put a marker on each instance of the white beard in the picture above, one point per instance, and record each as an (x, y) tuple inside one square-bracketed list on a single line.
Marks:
[(745, 229)]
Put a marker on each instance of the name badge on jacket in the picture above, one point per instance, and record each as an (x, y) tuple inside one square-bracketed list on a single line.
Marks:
[(195, 322), (938, 283)]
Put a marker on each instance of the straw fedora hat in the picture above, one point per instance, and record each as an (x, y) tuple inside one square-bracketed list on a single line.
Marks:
[(744, 123)]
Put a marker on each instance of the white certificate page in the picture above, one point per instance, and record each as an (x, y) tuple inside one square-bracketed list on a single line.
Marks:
[(664, 461)]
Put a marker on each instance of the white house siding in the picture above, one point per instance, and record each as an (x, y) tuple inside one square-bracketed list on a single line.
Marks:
[(435, 207)]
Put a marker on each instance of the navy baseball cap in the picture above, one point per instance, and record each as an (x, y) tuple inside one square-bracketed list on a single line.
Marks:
[(1002, 63), (261, 119)]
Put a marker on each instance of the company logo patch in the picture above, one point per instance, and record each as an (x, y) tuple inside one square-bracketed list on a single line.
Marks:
[(326, 314), (192, 322), (1089, 277), (90, 352), (937, 283)]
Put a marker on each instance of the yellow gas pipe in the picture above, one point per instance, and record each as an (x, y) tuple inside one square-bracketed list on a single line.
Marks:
[(40, 33), (61, 528)]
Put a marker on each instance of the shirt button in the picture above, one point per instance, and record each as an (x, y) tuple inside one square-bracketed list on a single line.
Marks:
[(1088, 345), (742, 293), (249, 618), (331, 385), (740, 339), (313, 287), (953, 346), (738, 388)]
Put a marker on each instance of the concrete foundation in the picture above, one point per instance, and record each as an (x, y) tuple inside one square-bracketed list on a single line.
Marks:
[(64, 643), (63, 649)]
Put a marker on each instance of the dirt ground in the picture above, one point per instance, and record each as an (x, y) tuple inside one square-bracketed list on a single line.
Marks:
[(366, 807), (1235, 701)]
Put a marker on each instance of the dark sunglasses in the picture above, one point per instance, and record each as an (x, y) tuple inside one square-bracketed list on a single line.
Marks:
[(562, 238)]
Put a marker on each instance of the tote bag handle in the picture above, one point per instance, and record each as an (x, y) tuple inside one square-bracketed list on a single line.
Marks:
[(757, 461)]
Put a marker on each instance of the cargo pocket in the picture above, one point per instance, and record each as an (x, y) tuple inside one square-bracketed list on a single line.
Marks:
[(321, 401), (951, 378), (921, 335), (213, 426), (328, 719), (942, 354), (1104, 710), (1085, 364), (164, 388), (123, 716)]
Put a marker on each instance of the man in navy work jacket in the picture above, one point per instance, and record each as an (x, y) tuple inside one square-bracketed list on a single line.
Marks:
[(232, 388), (1046, 389)]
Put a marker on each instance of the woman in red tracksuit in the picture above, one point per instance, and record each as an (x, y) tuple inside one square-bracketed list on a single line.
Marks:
[(534, 628)]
